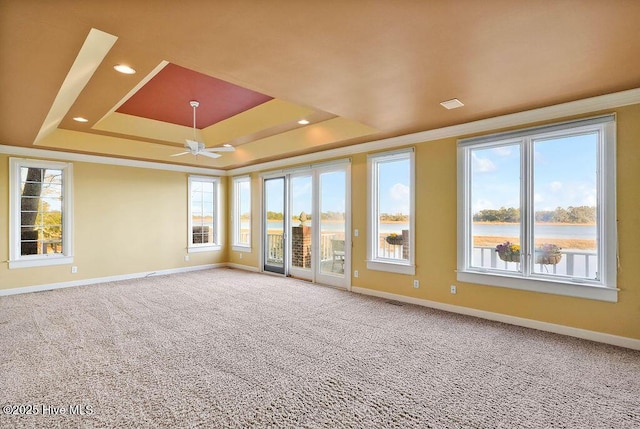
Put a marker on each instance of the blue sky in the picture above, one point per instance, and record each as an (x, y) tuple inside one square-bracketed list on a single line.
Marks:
[(332, 193), (394, 197), (564, 174), (394, 190)]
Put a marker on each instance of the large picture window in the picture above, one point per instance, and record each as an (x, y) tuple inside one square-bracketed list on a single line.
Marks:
[(41, 213), (241, 216), (204, 228), (538, 209), (391, 212)]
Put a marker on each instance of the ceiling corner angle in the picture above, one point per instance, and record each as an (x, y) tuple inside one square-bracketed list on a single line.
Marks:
[(93, 51)]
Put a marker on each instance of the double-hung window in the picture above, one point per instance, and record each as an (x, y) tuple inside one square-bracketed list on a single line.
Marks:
[(241, 216), (391, 212), (204, 230), (537, 210), (41, 213)]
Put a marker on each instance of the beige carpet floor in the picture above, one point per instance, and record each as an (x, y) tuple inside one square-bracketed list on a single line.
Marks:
[(230, 349)]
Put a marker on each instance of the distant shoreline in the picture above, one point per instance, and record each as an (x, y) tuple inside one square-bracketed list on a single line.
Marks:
[(536, 223)]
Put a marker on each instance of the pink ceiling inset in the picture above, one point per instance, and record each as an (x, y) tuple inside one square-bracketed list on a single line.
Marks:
[(167, 95)]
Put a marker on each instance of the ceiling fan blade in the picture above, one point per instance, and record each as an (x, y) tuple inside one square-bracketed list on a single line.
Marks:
[(209, 154), (221, 149), (181, 153)]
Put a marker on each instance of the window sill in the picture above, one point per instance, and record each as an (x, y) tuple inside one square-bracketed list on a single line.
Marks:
[(392, 267), (565, 288), (241, 248), (207, 248), (41, 262)]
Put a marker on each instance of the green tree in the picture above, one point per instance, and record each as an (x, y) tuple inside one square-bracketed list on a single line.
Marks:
[(274, 215), (580, 214)]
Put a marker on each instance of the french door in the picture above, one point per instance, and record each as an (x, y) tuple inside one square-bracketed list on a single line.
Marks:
[(274, 215), (333, 244), (302, 226), (305, 222)]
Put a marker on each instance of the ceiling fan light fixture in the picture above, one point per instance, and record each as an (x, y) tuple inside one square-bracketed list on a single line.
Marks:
[(195, 147), (125, 69)]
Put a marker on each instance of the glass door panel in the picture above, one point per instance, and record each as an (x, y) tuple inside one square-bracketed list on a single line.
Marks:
[(274, 224), (301, 230), (333, 245)]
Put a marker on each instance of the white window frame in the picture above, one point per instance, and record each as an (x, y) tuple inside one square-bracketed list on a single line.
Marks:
[(374, 262), (604, 288), (16, 259), (236, 221), (205, 247)]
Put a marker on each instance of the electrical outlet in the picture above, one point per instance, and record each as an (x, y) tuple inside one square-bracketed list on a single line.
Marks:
[(355, 232), (74, 270), (186, 258), (416, 284), (454, 290), (240, 255), (355, 273)]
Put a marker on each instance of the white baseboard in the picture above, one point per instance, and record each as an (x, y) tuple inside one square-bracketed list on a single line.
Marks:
[(630, 343), (85, 282), (243, 267)]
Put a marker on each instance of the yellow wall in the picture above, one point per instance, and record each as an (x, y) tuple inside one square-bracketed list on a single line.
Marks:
[(126, 220), (436, 234)]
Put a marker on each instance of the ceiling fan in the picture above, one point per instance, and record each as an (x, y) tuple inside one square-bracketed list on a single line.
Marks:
[(197, 148)]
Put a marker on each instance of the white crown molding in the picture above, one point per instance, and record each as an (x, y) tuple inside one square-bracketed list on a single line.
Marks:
[(608, 101), (601, 337), (587, 105), (97, 159)]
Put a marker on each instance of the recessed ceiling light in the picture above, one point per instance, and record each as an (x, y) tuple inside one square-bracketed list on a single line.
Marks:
[(80, 119), (452, 104), (226, 145), (124, 69), (303, 122)]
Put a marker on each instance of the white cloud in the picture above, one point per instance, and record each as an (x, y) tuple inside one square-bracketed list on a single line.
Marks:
[(399, 192), (566, 194), (482, 204), (303, 190), (503, 151), (482, 165), (590, 200), (399, 196), (555, 186)]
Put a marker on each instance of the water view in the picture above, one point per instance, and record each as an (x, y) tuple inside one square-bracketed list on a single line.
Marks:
[(585, 232), (396, 227)]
